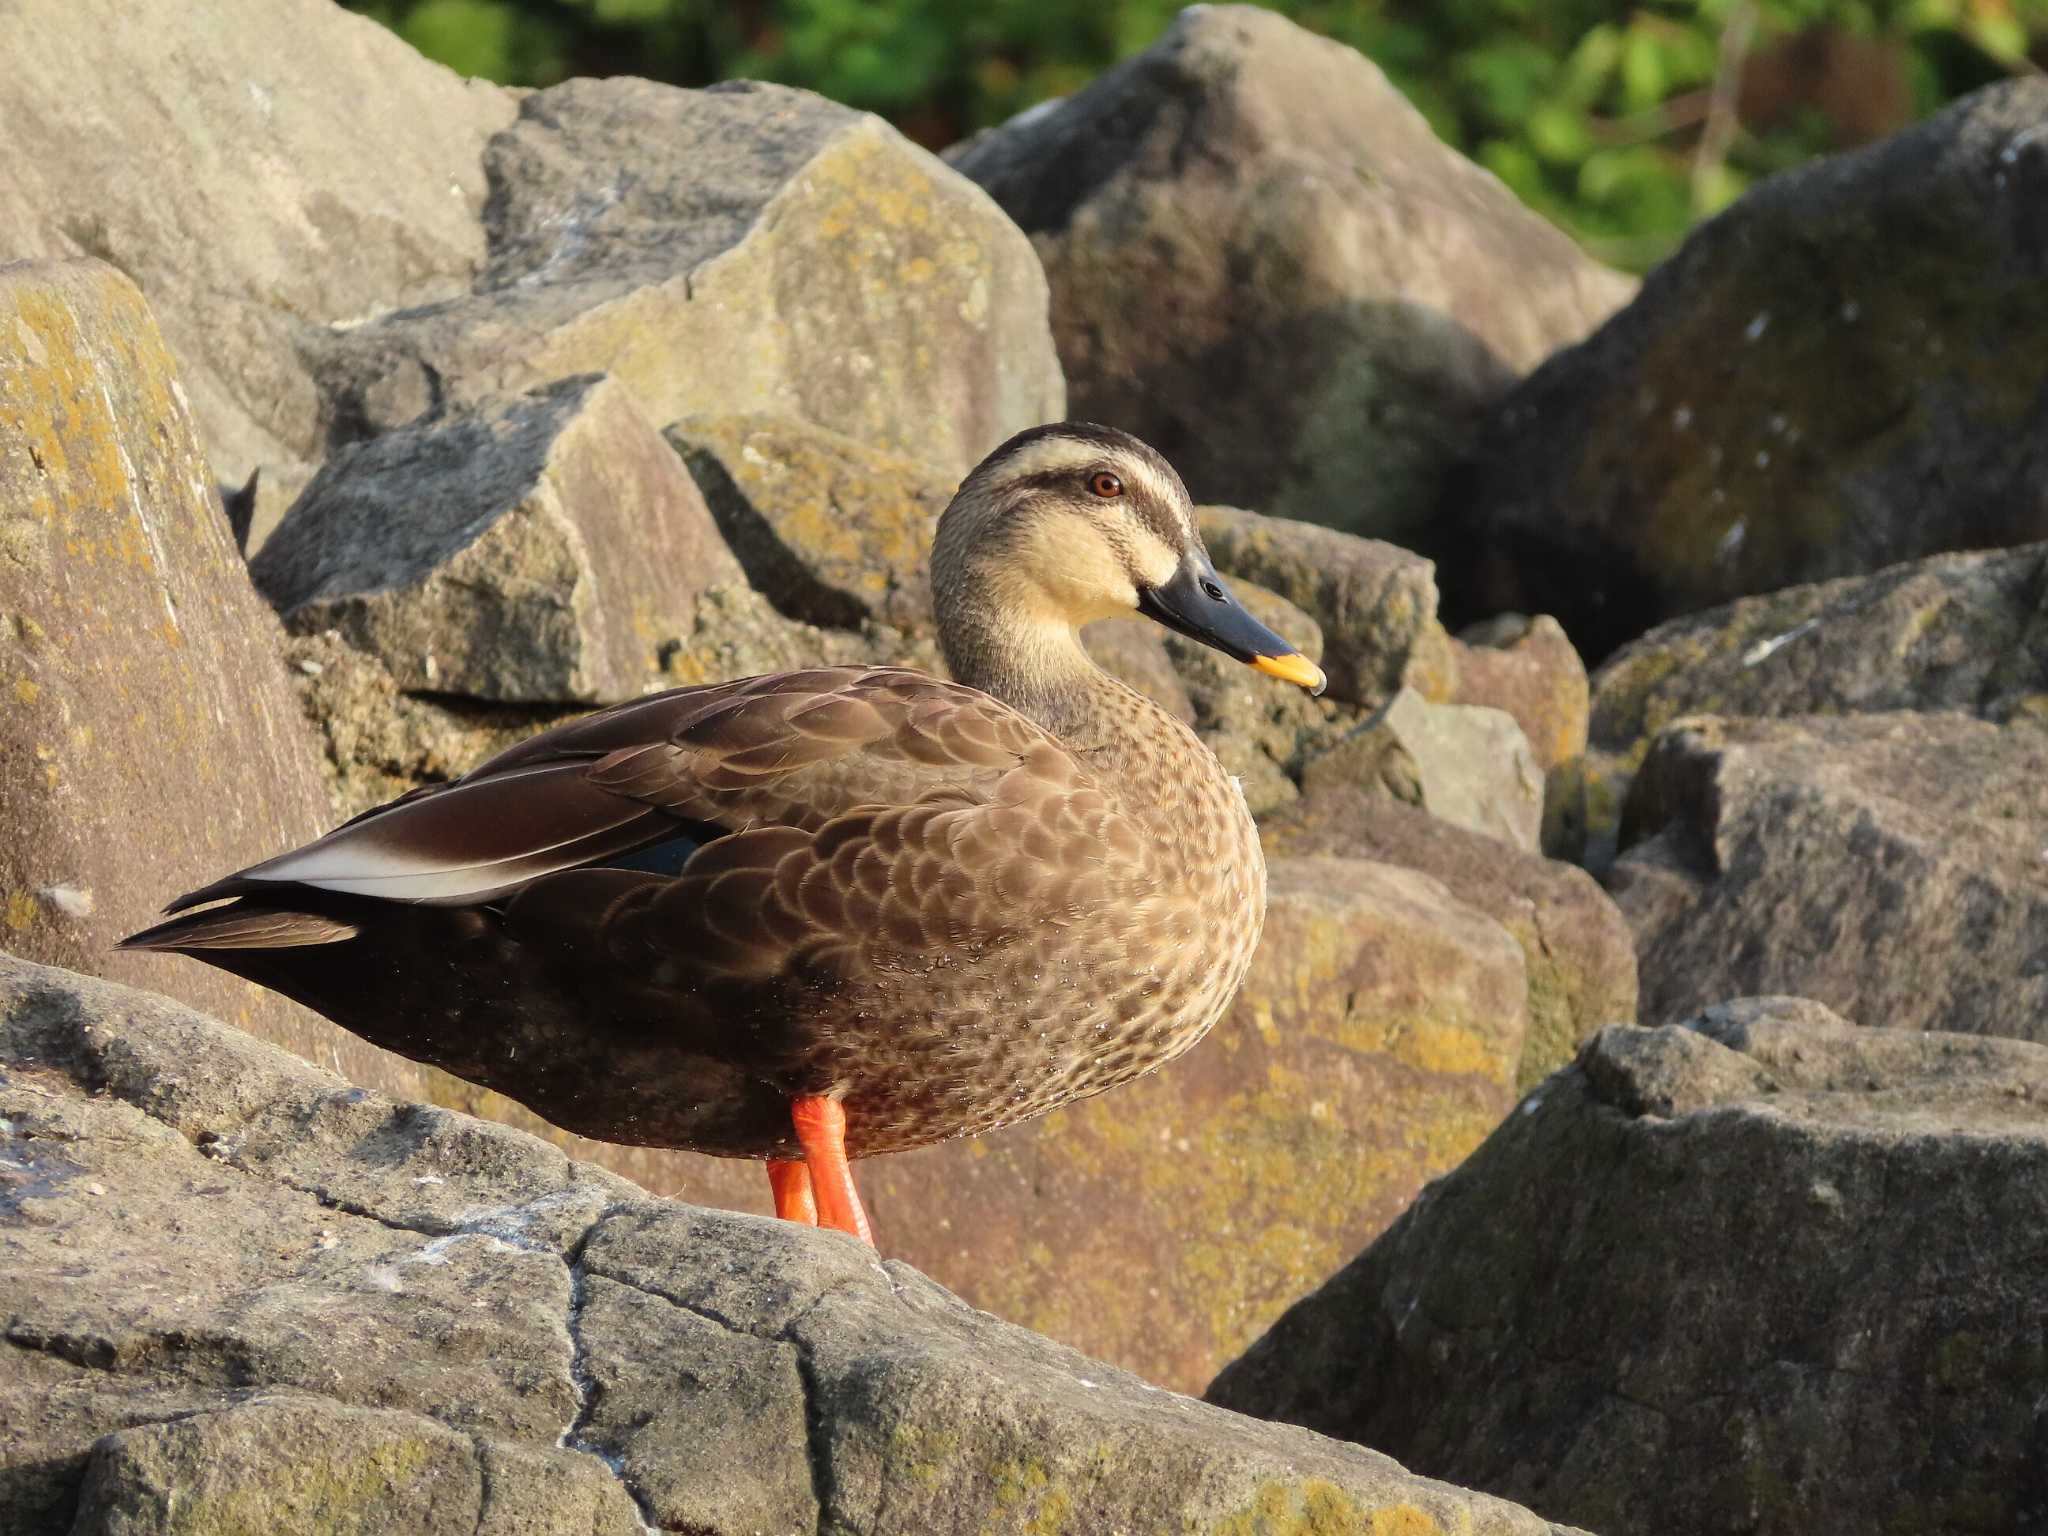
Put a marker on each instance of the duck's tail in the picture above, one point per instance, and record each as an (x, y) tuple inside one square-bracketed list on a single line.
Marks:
[(242, 925)]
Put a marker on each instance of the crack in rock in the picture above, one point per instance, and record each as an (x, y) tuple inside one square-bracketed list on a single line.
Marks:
[(588, 1393)]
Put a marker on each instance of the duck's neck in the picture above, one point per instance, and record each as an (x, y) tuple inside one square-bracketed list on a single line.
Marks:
[(1037, 667)]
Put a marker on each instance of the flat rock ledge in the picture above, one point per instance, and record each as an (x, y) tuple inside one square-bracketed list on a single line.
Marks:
[(241, 1294)]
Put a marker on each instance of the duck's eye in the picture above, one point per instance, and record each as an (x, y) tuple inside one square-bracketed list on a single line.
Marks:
[(1103, 483)]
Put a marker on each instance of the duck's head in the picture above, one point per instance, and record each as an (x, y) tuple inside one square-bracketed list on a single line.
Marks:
[(1069, 523)]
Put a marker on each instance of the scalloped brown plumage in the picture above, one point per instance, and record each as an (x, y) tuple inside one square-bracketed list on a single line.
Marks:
[(943, 907)]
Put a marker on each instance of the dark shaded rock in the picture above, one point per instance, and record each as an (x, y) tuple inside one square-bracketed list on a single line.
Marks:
[(306, 1307), (1889, 865), (1953, 632), (284, 168), (747, 248), (831, 531), (150, 741), (1842, 371), (1375, 1042), (1579, 953), (1265, 264), (1469, 765), (544, 548), (1765, 1273), (1375, 604)]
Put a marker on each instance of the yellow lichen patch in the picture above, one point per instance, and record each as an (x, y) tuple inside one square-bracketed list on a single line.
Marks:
[(1427, 1044), (26, 689), (1318, 1507), (21, 910), (1403, 1520)]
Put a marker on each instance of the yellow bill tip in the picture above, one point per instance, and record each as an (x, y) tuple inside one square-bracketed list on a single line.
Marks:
[(1293, 668)]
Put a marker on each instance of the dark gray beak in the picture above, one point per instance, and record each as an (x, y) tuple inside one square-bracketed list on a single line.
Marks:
[(1196, 604)]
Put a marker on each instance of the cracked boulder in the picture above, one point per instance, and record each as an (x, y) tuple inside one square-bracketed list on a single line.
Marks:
[(1962, 632), (1162, 1226), (541, 548), (150, 740), (242, 1295), (239, 1293), (1264, 263), (1847, 368), (1579, 952), (1763, 1272), (287, 1465), (747, 248), (1892, 866)]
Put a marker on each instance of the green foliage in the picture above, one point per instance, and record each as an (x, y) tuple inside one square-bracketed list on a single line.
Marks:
[(1623, 122)]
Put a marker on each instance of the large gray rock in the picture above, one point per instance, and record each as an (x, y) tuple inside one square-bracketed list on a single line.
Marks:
[(1375, 604), (262, 171), (1963, 632), (1374, 1044), (1889, 865), (1764, 1273), (149, 740), (1466, 763), (1264, 263), (234, 1282), (1579, 952), (1844, 370), (544, 548), (747, 248)]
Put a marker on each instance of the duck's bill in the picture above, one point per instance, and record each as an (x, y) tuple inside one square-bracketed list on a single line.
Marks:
[(1196, 604), (1293, 667)]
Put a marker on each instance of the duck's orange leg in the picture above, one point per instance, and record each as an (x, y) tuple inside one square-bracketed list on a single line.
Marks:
[(821, 1131), (792, 1185)]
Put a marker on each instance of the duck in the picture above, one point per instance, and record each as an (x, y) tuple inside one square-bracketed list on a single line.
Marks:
[(821, 915)]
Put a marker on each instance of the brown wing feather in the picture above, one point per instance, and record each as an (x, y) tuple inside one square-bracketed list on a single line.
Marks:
[(794, 750)]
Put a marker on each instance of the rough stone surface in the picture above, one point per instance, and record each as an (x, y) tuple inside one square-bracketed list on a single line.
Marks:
[(1763, 1273), (1265, 264), (150, 740), (1465, 763), (1889, 865), (1164, 1225), (306, 1466), (1966, 632), (545, 548), (831, 531), (1842, 371), (309, 1307), (262, 169), (747, 248), (1376, 604), (1577, 947)]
